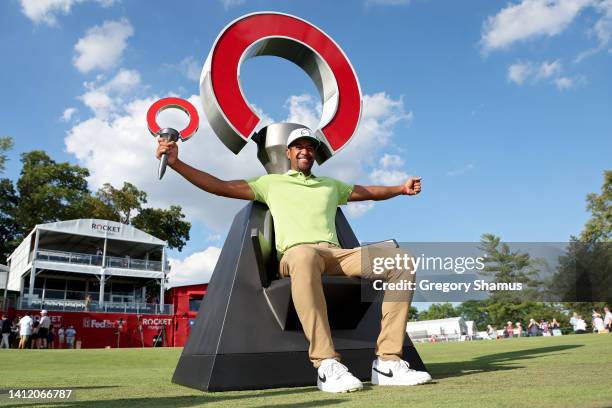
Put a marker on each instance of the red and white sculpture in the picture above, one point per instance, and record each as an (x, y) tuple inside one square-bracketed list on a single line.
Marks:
[(282, 35)]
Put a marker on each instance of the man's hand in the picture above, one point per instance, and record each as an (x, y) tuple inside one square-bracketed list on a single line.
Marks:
[(170, 148), (412, 186)]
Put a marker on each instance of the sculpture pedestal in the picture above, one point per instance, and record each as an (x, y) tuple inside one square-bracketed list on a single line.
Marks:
[(238, 343)]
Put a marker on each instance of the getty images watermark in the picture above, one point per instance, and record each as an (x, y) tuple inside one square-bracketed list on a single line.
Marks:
[(456, 272), (384, 265)]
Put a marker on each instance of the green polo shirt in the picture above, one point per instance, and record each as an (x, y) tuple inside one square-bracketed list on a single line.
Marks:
[(303, 208)]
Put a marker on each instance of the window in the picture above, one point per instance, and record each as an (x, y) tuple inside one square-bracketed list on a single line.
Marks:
[(194, 303)]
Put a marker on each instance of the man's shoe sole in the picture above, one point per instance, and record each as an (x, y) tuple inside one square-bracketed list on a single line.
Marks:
[(419, 382), (342, 391)]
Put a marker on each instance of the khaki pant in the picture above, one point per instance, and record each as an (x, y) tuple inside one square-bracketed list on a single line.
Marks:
[(306, 263)]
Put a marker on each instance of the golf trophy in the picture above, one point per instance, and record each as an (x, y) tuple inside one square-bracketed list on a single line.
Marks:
[(247, 334)]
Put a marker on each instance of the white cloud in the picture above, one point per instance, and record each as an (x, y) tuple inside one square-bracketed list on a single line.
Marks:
[(391, 160), (191, 68), (304, 109), (357, 209), (519, 72), (195, 269), (125, 81), (45, 11), (105, 99), (460, 171), (548, 69), (388, 177), (529, 19), (389, 174), (102, 46), (67, 115), (602, 30), (98, 101), (549, 72), (232, 3), (564, 83)]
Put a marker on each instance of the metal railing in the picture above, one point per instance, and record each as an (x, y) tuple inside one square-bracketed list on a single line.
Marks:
[(130, 263), (66, 305), (96, 260), (69, 257)]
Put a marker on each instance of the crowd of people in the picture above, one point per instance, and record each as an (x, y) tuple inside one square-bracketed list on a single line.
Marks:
[(35, 332), (600, 323)]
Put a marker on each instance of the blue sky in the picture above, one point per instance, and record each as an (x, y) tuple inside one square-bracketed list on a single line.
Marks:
[(504, 108)]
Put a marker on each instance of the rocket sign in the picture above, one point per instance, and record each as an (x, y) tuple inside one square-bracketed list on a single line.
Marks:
[(298, 41)]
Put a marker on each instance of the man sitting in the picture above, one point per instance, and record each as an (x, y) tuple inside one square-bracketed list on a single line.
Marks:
[(303, 208)]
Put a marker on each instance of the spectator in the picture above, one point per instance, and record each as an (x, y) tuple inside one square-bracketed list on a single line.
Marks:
[(61, 336), (14, 337), (519, 329), (43, 329), (6, 332), (555, 328), (532, 328), (25, 330), (580, 326), (555, 324), (99, 255), (509, 330), (34, 337), (607, 318), (491, 332), (51, 338), (544, 327), (70, 335), (87, 302), (598, 324), (573, 321)]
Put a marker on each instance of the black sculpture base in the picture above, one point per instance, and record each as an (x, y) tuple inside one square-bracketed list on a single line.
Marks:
[(239, 342)]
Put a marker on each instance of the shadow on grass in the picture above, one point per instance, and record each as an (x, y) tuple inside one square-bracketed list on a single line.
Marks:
[(492, 362), (191, 401)]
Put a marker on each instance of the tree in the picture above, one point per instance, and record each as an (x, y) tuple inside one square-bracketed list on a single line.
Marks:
[(8, 203), (168, 225), (413, 313), (49, 191), (120, 203), (583, 280), (475, 310), (438, 311), (8, 228), (125, 205), (6, 143), (599, 227), (506, 266)]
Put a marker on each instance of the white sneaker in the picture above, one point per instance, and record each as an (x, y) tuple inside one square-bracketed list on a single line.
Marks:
[(335, 377), (396, 372)]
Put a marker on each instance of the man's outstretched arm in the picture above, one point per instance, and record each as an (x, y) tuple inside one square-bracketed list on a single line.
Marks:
[(233, 189), (377, 193)]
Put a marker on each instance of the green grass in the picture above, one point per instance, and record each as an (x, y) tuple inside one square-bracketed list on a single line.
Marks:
[(568, 371)]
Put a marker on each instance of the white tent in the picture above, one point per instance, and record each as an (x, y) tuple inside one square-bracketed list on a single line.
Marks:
[(452, 328), (102, 248)]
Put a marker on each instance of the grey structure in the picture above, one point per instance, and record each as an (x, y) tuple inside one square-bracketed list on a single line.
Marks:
[(247, 335)]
